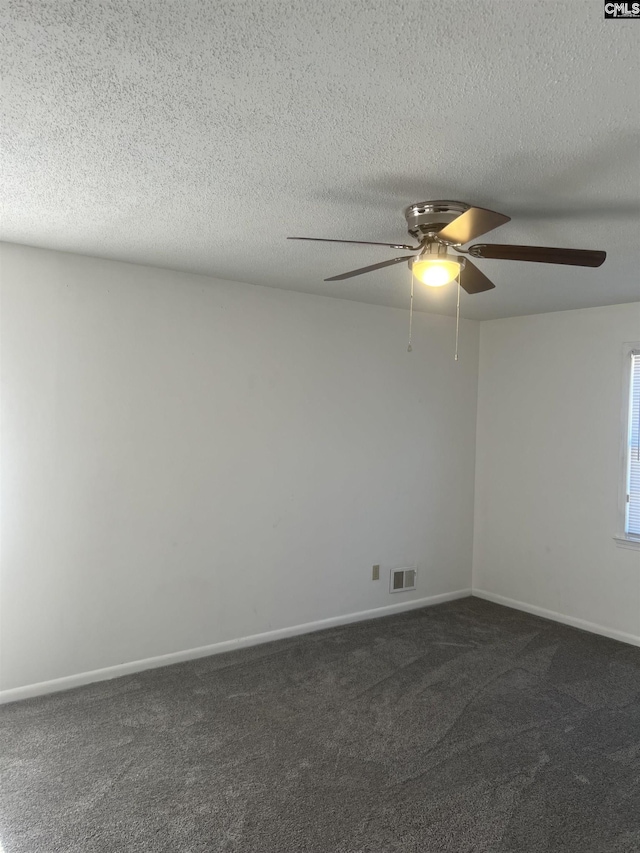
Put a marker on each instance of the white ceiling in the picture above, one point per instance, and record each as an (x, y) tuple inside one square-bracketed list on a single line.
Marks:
[(198, 135)]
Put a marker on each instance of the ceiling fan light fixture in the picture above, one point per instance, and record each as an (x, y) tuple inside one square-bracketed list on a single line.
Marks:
[(435, 272), (441, 227)]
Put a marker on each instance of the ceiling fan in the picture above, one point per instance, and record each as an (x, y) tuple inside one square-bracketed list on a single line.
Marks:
[(441, 228)]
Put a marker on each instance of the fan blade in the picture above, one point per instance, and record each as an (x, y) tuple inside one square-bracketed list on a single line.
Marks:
[(473, 280), (369, 269), (471, 224), (357, 242), (539, 254)]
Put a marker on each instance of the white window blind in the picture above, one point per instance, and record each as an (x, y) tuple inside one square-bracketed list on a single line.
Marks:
[(632, 526)]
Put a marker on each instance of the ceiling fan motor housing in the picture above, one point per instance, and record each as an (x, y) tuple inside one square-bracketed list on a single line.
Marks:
[(427, 218), (437, 252)]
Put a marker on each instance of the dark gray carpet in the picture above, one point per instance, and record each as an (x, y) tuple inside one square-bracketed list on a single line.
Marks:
[(465, 727)]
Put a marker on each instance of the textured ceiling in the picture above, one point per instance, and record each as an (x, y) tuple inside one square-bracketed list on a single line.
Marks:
[(198, 135)]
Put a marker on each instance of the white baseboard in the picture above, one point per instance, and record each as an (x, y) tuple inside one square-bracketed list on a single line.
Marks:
[(633, 639), (69, 681)]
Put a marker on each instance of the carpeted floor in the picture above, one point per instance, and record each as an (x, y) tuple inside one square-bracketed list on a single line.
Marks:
[(466, 727)]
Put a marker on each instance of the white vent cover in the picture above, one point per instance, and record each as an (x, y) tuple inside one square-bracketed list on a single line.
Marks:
[(400, 580)]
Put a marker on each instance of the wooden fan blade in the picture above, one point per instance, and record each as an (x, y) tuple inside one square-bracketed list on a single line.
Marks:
[(357, 242), (540, 254), (373, 267), (473, 280), (471, 224)]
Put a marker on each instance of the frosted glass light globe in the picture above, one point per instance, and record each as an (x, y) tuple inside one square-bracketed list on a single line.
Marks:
[(435, 272)]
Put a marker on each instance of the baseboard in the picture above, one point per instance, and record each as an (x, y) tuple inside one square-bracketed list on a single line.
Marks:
[(31, 690), (632, 639)]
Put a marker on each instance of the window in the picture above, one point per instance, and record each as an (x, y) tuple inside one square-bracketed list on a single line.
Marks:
[(632, 448)]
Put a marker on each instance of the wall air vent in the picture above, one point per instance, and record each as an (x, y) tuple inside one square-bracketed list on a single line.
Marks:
[(401, 580)]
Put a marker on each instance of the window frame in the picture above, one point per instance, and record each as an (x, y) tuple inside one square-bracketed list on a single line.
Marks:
[(624, 539)]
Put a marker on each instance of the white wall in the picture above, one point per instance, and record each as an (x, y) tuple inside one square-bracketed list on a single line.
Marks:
[(548, 466), (187, 461)]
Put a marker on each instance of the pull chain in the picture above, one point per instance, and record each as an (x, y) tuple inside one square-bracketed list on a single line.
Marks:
[(457, 318), (409, 349)]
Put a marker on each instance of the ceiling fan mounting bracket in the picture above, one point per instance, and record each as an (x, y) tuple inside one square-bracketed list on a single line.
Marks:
[(428, 218)]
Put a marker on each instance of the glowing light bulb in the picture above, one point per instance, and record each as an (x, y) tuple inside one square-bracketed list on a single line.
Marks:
[(435, 271)]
